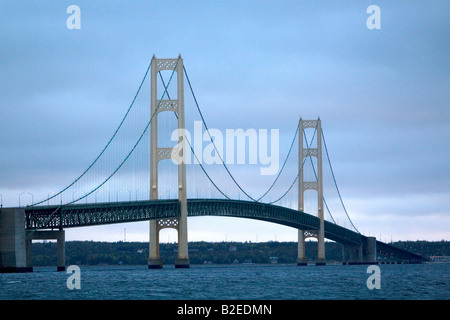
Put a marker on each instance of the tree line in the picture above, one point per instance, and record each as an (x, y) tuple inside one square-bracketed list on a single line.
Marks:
[(136, 253)]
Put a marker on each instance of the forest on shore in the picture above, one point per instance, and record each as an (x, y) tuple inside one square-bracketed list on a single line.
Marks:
[(136, 253)]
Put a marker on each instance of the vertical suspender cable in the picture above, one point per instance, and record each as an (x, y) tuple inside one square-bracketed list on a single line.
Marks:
[(220, 156), (107, 145), (335, 183)]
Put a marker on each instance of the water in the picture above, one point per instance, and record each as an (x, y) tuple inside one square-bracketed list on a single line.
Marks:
[(237, 282)]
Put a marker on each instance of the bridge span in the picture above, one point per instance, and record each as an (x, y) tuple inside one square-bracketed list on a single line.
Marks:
[(19, 226), (80, 215)]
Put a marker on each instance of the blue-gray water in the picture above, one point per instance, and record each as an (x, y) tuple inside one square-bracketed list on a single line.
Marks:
[(281, 282)]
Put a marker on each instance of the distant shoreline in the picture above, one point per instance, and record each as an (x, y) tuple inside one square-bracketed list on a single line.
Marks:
[(96, 253)]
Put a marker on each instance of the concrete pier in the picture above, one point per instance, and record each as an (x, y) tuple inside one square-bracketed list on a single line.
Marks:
[(301, 257), (16, 242), (12, 241), (370, 250), (364, 253), (58, 235)]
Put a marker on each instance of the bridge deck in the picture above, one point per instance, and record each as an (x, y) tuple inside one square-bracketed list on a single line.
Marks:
[(80, 215)]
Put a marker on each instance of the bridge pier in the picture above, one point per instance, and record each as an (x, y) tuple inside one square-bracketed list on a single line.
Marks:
[(302, 260), (12, 241), (58, 235), (370, 250), (154, 261), (16, 242), (364, 253), (301, 256), (352, 254)]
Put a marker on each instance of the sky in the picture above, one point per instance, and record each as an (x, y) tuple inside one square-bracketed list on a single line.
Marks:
[(382, 96)]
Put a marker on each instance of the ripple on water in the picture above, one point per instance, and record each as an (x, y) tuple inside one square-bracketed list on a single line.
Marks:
[(278, 282)]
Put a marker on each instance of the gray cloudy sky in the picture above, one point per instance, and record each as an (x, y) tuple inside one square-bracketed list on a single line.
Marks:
[(382, 95)]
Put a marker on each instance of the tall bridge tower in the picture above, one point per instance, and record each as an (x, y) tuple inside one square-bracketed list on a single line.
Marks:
[(157, 154), (313, 185)]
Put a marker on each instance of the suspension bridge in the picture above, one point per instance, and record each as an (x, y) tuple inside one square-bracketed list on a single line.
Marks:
[(124, 184)]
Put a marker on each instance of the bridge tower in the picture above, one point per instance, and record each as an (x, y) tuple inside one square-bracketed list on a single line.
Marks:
[(314, 185), (157, 154)]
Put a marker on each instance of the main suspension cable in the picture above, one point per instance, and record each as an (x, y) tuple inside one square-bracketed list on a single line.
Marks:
[(315, 175), (107, 145), (121, 164), (190, 145), (136, 144), (220, 156), (212, 140), (335, 183), (282, 167), (299, 171)]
